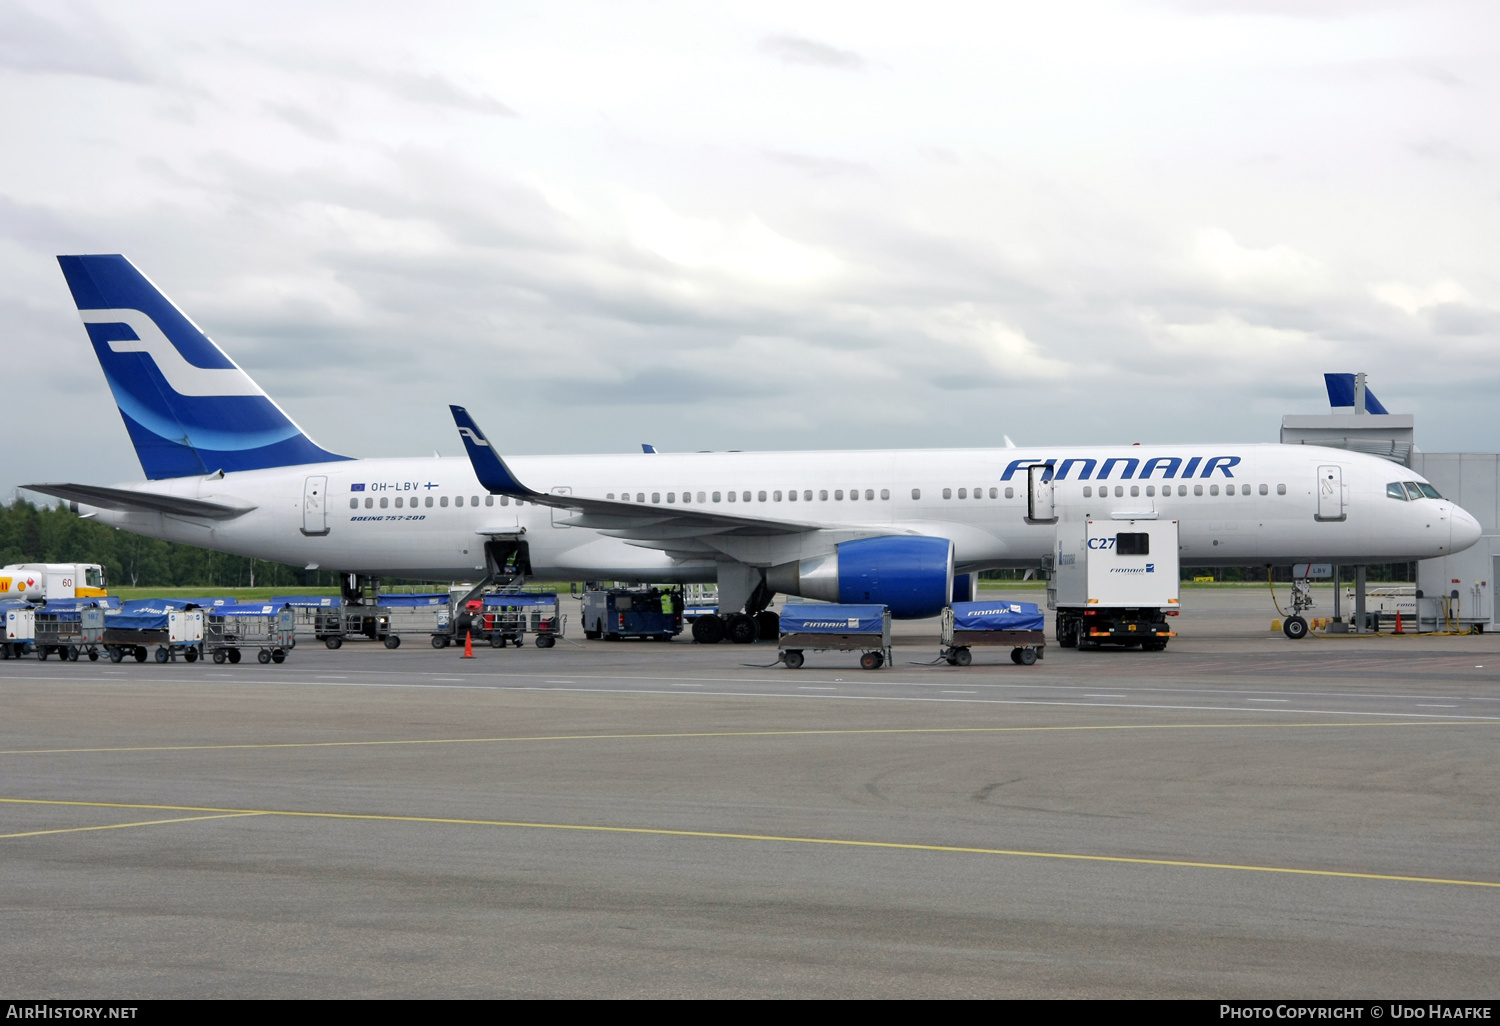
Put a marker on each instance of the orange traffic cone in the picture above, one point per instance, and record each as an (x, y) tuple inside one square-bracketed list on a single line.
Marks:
[(468, 645), (1398, 621)]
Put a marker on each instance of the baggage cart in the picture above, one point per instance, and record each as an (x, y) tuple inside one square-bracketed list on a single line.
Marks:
[(20, 630), (334, 625), (68, 632), (229, 629), (840, 628), (1019, 626), (174, 631), (520, 613)]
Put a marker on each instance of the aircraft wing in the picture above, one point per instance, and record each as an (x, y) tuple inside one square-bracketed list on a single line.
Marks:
[(655, 524), (127, 500)]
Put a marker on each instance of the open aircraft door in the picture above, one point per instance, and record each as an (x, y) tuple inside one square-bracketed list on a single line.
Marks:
[(315, 506), (1331, 494), (1040, 501)]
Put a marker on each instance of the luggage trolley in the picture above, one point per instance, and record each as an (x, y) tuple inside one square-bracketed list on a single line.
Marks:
[(1019, 626), (69, 630), (841, 628), (174, 631), (519, 613), (230, 628)]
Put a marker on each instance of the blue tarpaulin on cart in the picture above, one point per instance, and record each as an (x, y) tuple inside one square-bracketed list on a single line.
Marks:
[(518, 600), (137, 621), (164, 605), (832, 619), (998, 616), (306, 601), (427, 599), (246, 609)]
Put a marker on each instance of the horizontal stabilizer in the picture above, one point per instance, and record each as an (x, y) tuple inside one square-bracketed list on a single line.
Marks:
[(126, 500)]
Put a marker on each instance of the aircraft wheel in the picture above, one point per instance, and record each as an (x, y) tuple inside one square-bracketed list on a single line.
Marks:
[(793, 659), (1294, 627), (220, 656), (278, 656), (333, 642), (708, 629), (1027, 657), (263, 656), (392, 641), (140, 653), (741, 629), (234, 656)]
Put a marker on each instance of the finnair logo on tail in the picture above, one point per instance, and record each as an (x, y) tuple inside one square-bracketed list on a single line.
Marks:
[(474, 436), (182, 377)]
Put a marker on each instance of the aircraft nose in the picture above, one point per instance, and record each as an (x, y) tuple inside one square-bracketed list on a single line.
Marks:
[(1465, 531)]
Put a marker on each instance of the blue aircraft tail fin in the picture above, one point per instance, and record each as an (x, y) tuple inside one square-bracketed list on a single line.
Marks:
[(189, 408), (1341, 393)]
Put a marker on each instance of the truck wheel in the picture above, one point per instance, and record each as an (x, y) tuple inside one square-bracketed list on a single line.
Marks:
[(1080, 635), (708, 629), (333, 641), (793, 659), (741, 629), (234, 656), (1027, 657), (962, 657), (392, 641), (1067, 636), (1294, 627)]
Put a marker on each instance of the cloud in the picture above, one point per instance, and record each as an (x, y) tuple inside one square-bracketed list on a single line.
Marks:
[(304, 120), (1442, 149), (819, 167), (69, 39), (809, 53)]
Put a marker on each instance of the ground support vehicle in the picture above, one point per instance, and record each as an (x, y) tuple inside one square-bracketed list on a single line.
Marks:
[(174, 632), (51, 581), (821, 627), (632, 613), (1115, 582), (228, 629), (336, 624), (1019, 626), (68, 631)]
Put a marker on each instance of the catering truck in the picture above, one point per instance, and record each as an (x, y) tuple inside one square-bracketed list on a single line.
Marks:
[(1114, 582), (37, 581)]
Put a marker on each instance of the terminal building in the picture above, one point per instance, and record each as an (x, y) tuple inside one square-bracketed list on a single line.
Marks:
[(1456, 589)]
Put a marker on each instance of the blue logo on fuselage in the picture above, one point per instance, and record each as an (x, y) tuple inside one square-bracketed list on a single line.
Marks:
[(1168, 465)]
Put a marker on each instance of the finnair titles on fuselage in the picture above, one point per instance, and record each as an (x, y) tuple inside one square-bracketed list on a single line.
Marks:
[(229, 470)]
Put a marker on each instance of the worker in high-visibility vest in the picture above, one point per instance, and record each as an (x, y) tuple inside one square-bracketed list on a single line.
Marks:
[(666, 603)]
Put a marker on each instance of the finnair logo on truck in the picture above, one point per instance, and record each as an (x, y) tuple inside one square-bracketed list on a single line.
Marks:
[(1169, 466), (1150, 568), (853, 622)]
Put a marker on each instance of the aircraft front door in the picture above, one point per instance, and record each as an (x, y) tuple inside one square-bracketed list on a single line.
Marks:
[(315, 506), (1331, 493), (1040, 501)]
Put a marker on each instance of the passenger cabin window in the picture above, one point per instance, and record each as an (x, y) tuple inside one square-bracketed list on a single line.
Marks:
[(1182, 490), (1198, 489), (1088, 492), (1281, 489), (775, 496), (745, 496), (1010, 493), (489, 500), (732, 496), (1151, 489), (656, 496), (671, 496), (885, 493), (1395, 491), (384, 502), (1119, 491), (458, 500), (443, 502), (994, 493), (1135, 491), (1213, 489), (1244, 489), (761, 496), (869, 495), (916, 493), (399, 502), (838, 493), (354, 504), (807, 495), (428, 501), (716, 496), (504, 500), (947, 493), (473, 500), (963, 493), (1133, 543), (371, 502), (1263, 489), (853, 494)]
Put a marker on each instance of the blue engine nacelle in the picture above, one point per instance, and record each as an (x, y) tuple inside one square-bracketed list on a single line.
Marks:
[(911, 575)]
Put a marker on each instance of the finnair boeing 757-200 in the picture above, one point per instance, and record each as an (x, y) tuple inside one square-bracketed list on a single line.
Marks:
[(227, 469)]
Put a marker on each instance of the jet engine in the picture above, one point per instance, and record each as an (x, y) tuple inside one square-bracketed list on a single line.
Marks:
[(912, 575)]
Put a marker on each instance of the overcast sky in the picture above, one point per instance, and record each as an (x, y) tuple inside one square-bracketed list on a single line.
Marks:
[(716, 226)]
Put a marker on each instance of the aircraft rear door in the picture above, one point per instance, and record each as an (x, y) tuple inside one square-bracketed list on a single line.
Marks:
[(1040, 500), (1331, 493), (315, 506)]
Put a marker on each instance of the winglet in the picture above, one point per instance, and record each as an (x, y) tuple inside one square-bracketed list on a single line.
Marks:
[(488, 466)]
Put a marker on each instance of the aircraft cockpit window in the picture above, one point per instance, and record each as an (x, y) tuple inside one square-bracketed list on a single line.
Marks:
[(1428, 490), (1414, 490), (1395, 491)]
